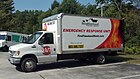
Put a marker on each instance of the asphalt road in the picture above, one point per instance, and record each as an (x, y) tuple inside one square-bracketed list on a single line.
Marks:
[(71, 69)]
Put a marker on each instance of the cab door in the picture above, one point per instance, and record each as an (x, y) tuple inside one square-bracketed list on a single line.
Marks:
[(47, 48)]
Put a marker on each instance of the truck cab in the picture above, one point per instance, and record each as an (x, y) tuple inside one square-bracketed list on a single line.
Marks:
[(40, 47)]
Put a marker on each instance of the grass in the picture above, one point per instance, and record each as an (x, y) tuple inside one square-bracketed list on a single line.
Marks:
[(132, 59)]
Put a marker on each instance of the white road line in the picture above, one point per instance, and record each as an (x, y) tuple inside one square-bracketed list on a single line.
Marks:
[(103, 65), (128, 77), (99, 66), (113, 64)]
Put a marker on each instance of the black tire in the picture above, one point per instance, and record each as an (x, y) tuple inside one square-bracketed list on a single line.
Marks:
[(100, 58), (28, 65), (17, 65)]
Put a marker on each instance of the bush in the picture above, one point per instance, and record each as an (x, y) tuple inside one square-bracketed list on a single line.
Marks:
[(132, 49)]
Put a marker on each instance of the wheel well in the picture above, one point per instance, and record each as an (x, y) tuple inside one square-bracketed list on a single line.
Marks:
[(29, 55), (6, 46)]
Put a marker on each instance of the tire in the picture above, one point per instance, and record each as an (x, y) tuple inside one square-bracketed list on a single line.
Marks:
[(100, 59), (28, 65), (17, 65)]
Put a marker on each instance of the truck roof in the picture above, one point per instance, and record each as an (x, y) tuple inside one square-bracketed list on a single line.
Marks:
[(59, 16), (44, 31)]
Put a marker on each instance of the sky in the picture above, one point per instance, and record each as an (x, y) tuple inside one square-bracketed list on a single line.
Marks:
[(41, 4)]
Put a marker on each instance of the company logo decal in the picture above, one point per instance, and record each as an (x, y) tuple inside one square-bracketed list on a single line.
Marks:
[(46, 50), (90, 22)]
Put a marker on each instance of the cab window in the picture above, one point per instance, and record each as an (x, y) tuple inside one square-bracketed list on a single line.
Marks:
[(8, 38), (48, 38)]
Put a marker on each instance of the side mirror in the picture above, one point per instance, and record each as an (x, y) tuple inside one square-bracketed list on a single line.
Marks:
[(24, 40), (41, 41), (6, 39)]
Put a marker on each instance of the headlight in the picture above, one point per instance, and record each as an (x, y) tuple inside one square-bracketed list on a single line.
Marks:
[(17, 53), (14, 53), (0, 45)]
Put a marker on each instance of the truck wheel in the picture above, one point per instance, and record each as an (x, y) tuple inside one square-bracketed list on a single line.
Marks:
[(17, 65), (28, 65), (100, 58)]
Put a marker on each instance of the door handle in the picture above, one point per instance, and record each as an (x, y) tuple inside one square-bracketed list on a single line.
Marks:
[(54, 49), (33, 46)]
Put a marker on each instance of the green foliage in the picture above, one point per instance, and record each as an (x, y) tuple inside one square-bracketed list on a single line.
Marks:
[(69, 6), (132, 27), (90, 10), (54, 4), (132, 49), (6, 9), (111, 11), (28, 21)]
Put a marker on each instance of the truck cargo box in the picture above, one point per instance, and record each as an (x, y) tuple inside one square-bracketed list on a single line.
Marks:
[(76, 34)]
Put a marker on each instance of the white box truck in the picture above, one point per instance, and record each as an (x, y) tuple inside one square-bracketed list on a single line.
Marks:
[(8, 39), (69, 37)]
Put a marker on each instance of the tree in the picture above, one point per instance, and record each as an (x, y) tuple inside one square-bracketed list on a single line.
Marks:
[(132, 27), (54, 4), (6, 8), (69, 6), (28, 21), (18, 21), (90, 10), (136, 3), (111, 11), (117, 4)]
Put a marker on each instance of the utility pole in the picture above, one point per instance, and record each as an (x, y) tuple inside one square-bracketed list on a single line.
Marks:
[(102, 10)]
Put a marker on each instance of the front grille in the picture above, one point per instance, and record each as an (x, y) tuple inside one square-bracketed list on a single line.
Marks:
[(11, 53)]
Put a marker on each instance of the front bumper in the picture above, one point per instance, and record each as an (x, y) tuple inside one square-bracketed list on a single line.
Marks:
[(14, 61)]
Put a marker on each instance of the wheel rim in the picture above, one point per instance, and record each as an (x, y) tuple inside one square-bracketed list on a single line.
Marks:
[(29, 64), (101, 59)]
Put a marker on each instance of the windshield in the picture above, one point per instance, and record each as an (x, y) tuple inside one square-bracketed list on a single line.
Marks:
[(33, 38), (2, 37)]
